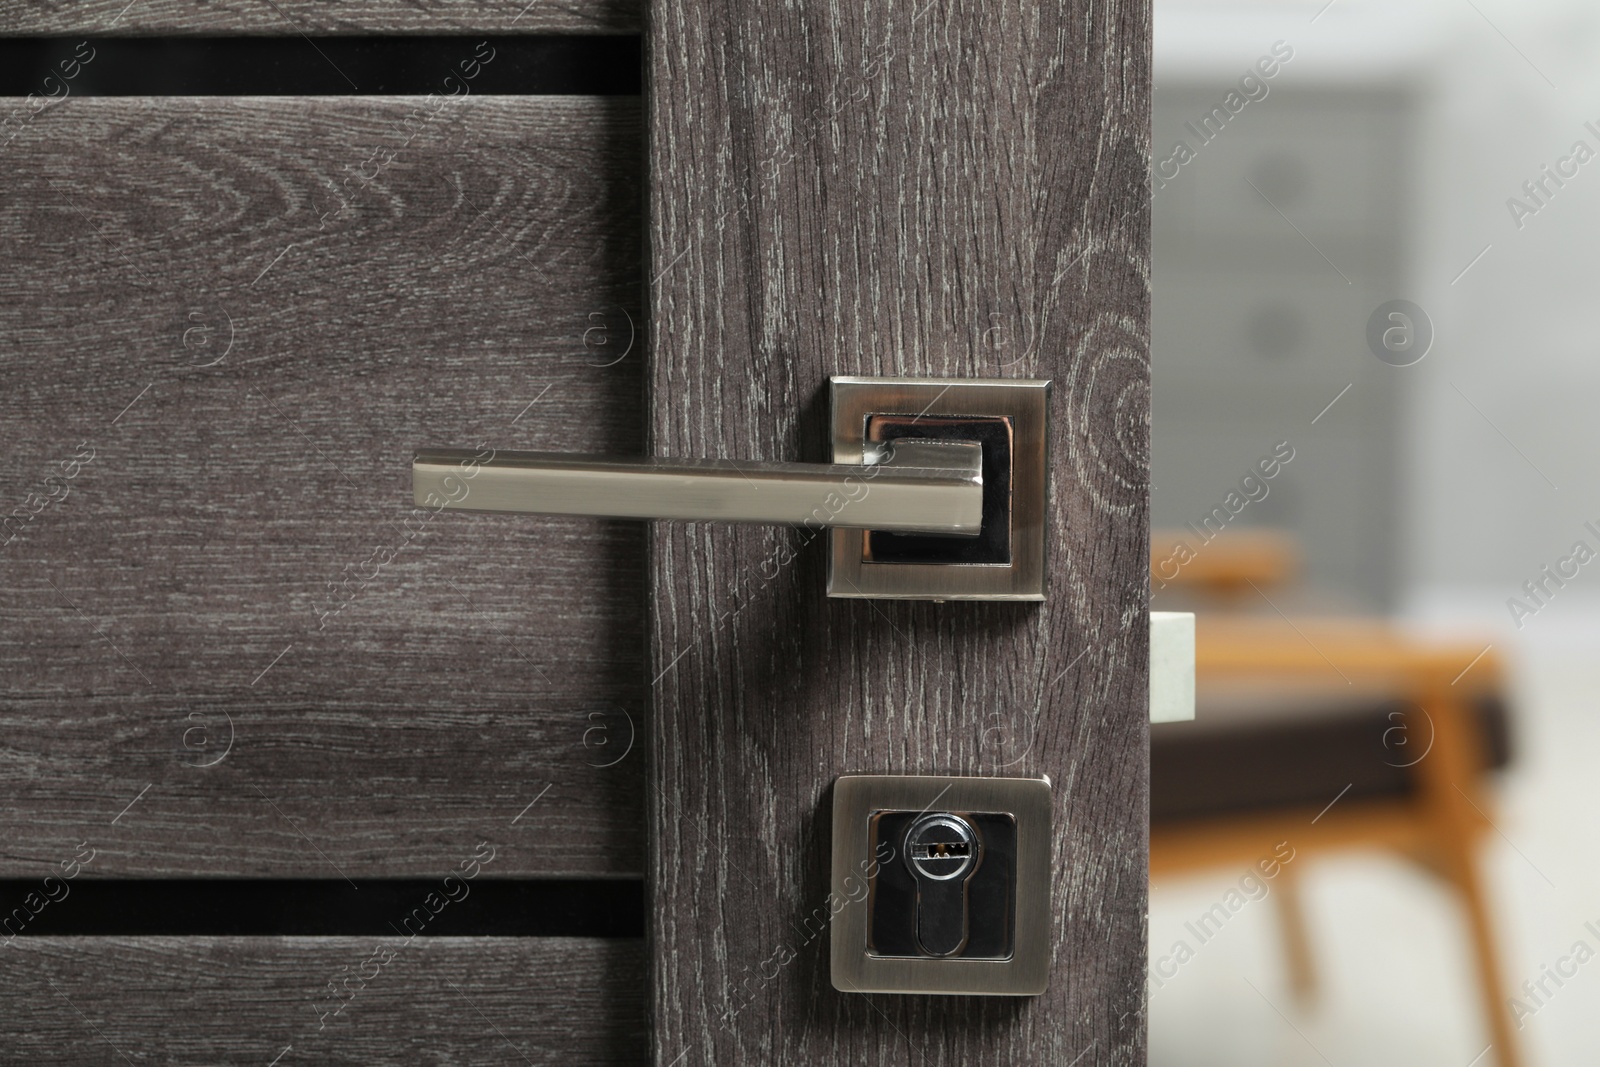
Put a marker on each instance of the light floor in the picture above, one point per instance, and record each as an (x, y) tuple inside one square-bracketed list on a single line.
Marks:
[(1397, 981)]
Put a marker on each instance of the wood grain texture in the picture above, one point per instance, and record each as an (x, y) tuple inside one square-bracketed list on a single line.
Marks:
[(288, 17), (443, 1001), (929, 189), (251, 321)]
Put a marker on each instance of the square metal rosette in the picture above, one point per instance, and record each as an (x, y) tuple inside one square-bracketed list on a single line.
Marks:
[(1006, 951), (1009, 419)]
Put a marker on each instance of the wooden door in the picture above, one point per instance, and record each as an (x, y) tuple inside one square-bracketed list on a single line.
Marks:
[(938, 190), (296, 771)]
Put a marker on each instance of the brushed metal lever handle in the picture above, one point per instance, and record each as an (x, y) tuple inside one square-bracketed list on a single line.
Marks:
[(904, 486)]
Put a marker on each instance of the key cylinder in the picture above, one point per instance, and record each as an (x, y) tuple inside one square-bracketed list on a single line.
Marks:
[(943, 852)]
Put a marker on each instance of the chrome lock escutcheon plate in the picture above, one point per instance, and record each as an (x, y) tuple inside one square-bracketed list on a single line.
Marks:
[(948, 881)]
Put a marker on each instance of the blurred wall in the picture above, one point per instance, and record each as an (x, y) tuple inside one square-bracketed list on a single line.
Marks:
[(1501, 442), (1382, 156)]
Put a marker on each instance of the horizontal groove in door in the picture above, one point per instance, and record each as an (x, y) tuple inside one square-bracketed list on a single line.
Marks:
[(481, 65), (232, 646), (335, 1000), (451, 905), (292, 17)]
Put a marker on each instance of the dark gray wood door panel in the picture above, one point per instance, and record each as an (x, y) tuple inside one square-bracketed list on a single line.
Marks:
[(249, 348), (436, 1001), (910, 189), (31, 17)]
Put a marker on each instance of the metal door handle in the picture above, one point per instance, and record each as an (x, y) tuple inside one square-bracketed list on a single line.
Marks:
[(963, 460), (904, 486)]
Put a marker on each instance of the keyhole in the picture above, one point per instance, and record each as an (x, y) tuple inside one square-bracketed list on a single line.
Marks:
[(942, 852)]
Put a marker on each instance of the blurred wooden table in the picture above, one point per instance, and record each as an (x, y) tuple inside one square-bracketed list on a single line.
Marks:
[(1438, 823)]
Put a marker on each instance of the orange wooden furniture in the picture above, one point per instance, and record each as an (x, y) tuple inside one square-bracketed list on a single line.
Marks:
[(1231, 566), (1436, 816)]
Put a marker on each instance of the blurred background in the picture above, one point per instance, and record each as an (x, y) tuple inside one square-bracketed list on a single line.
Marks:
[(1376, 238)]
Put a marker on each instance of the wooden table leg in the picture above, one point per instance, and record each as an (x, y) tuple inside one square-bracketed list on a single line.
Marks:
[(1449, 778), (1296, 938)]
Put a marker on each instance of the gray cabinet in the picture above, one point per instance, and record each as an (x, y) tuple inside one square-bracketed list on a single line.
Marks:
[(1273, 246)]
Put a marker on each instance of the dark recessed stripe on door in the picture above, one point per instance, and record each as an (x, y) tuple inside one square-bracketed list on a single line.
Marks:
[(295, 65), (425, 907)]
